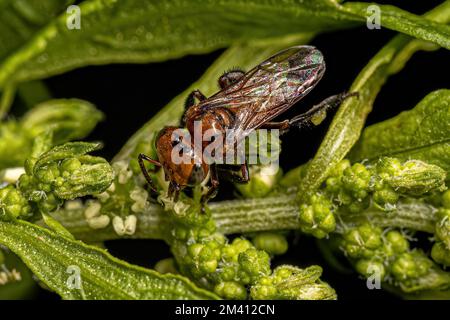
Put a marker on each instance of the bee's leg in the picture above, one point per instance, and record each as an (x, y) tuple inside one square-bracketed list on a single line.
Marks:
[(318, 112), (230, 77), (213, 188), (245, 175), (174, 191), (314, 116), (190, 100), (145, 171), (283, 125)]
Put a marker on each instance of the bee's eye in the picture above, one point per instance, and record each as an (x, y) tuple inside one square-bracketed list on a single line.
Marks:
[(175, 142)]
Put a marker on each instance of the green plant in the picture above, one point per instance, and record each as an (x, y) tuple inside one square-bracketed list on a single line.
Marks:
[(364, 194)]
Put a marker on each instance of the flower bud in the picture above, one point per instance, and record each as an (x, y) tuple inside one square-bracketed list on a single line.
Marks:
[(413, 177), (271, 242)]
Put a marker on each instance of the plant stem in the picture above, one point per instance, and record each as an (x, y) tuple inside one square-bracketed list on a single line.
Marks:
[(251, 215)]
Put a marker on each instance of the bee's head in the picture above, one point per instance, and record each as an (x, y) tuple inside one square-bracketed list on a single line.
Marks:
[(179, 158)]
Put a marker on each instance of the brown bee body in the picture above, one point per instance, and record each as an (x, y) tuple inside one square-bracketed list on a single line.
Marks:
[(246, 101)]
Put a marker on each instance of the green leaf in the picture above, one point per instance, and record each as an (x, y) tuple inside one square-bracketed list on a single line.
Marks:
[(399, 20), (20, 19), (422, 133), (135, 31), (131, 31), (69, 119), (32, 93), (56, 226), (348, 122), (58, 120), (67, 150), (54, 259)]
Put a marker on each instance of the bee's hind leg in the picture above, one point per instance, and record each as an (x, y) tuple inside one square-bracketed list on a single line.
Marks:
[(190, 101), (314, 116), (317, 113)]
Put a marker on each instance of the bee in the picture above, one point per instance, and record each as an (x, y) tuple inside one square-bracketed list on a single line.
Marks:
[(245, 102)]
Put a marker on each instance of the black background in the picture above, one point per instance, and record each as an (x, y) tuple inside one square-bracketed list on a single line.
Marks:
[(128, 93)]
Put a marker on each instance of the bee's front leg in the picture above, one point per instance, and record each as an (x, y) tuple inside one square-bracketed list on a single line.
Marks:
[(145, 171), (174, 191)]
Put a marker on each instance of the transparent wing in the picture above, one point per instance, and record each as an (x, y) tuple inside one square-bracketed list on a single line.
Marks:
[(270, 88)]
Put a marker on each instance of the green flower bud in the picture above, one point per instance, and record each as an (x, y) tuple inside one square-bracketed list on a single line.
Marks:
[(209, 266), (47, 174), (206, 254), (50, 203), (339, 169), (413, 177), (195, 249), (301, 284), (166, 266), (362, 241), (231, 290), (367, 268), (441, 254), (70, 165), (410, 265), (442, 229), (243, 277), (316, 217), (358, 205), (446, 199), (356, 180), (271, 242), (385, 198), (13, 204), (255, 263), (263, 292), (241, 244), (397, 242), (180, 232), (333, 185), (228, 273)]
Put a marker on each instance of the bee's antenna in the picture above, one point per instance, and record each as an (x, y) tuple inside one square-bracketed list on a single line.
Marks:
[(144, 170)]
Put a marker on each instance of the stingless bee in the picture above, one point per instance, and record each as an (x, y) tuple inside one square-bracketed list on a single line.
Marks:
[(246, 102)]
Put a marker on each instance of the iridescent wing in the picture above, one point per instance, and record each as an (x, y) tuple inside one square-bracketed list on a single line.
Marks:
[(270, 88)]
